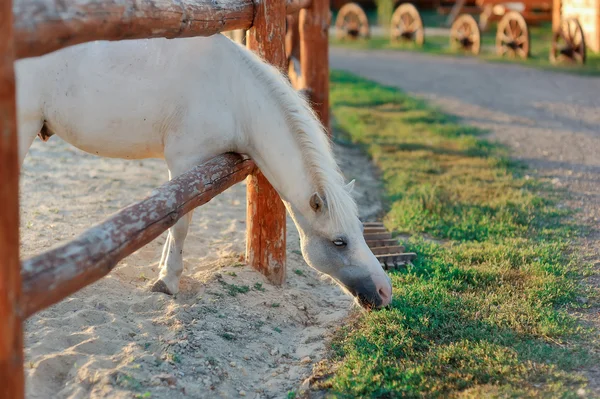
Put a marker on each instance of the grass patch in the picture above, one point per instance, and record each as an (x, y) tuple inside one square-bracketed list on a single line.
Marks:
[(227, 336), (540, 47), (234, 289), (485, 313)]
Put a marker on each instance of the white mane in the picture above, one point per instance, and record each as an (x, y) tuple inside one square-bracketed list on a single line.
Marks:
[(311, 138)]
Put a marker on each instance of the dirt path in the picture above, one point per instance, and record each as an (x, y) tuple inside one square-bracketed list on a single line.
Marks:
[(551, 121), (228, 333)]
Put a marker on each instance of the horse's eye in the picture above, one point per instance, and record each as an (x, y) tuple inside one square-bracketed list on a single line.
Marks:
[(340, 242)]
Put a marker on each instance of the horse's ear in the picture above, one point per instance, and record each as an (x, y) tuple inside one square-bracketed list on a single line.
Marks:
[(316, 202), (350, 186)]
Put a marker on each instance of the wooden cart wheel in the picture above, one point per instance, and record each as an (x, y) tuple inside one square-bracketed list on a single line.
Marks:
[(352, 22), (465, 34), (407, 25), (568, 43), (512, 36)]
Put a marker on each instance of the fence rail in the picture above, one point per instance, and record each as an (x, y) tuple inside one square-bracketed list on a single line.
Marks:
[(53, 275), (41, 27), (30, 28)]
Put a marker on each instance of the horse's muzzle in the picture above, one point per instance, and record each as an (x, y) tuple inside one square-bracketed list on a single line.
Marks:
[(366, 293)]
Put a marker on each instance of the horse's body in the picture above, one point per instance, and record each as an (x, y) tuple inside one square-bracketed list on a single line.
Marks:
[(188, 100)]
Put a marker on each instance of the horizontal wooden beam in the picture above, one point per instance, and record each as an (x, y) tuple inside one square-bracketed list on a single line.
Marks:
[(382, 243), (293, 6), (43, 26), (52, 276), (377, 236)]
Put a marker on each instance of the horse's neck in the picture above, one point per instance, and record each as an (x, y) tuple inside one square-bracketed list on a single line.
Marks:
[(279, 157), (271, 135)]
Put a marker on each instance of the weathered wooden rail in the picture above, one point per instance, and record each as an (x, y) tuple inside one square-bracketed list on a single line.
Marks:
[(53, 275), (30, 28), (41, 27)]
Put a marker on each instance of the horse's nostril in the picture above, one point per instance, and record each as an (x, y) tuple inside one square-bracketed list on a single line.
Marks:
[(382, 294), (385, 293)]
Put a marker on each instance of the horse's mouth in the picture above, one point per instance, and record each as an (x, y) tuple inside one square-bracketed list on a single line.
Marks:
[(369, 302), (363, 290)]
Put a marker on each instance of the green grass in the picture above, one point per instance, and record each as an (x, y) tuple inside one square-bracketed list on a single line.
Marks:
[(233, 289), (540, 47), (484, 309)]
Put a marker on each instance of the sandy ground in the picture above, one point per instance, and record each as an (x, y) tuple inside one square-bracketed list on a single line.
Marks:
[(549, 121), (115, 339)]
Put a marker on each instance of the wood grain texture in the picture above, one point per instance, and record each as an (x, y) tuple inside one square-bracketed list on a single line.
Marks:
[(42, 26), (266, 215), (11, 333), (52, 276), (314, 48)]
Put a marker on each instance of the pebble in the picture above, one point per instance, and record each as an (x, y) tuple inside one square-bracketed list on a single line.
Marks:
[(274, 351), (305, 387), (168, 378), (242, 393), (232, 364), (305, 360), (101, 306)]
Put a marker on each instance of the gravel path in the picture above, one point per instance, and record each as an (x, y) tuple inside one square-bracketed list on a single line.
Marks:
[(549, 120)]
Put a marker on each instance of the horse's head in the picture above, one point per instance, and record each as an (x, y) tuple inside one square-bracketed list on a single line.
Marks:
[(332, 242)]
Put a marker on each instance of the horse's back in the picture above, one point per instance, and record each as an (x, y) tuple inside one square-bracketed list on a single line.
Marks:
[(121, 99)]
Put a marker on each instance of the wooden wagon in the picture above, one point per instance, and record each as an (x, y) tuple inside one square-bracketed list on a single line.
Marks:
[(352, 22), (576, 28), (514, 19), (512, 37), (533, 11)]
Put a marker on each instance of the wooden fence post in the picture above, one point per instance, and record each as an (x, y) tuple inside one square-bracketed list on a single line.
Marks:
[(314, 56), (11, 334), (266, 214)]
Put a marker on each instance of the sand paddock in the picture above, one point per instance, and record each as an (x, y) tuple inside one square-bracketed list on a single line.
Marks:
[(228, 333)]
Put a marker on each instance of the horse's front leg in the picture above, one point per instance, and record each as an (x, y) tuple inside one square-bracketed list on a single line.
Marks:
[(163, 257), (171, 263), (172, 266)]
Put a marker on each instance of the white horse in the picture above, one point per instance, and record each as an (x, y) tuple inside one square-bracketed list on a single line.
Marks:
[(186, 101)]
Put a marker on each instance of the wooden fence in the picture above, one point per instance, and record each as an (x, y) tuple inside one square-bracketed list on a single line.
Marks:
[(30, 28)]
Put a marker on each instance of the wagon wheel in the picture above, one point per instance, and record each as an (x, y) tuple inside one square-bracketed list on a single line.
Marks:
[(465, 34), (407, 24), (352, 22), (512, 37), (568, 43)]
